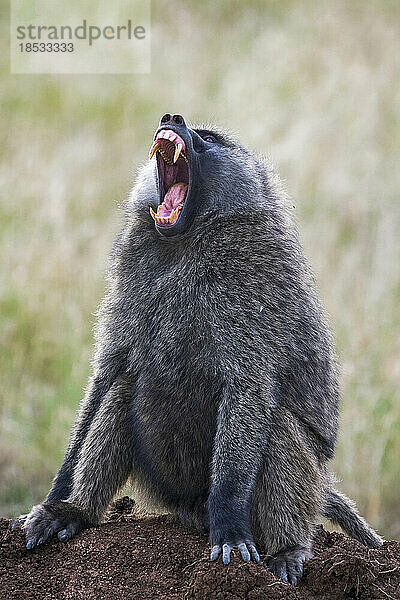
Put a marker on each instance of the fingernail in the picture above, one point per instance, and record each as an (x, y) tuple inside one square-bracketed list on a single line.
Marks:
[(63, 535)]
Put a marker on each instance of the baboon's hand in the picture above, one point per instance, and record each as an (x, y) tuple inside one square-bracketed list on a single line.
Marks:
[(288, 565), (46, 520), (18, 521), (247, 550), (228, 532)]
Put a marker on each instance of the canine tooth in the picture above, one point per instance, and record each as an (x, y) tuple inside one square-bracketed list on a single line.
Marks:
[(153, 214), (154, 149), (178, 150)]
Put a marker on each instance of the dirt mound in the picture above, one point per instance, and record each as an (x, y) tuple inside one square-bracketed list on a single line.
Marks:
[(153, 558)]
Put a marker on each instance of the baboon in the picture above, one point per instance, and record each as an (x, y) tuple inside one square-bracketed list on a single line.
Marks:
[(214, 383)]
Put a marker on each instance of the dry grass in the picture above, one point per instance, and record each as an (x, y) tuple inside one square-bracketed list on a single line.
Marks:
[(314, 84)]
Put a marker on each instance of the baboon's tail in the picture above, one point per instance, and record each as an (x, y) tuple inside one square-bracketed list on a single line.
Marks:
[(342, 511)]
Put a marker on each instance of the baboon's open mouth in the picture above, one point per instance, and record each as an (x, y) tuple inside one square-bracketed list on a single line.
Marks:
[(173, 176)]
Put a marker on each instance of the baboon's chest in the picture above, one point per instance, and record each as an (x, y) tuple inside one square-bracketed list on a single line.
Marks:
[(176, 417), (178, 392)]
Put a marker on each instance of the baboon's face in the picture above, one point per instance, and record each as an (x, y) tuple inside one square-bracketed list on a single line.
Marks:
[(198, 170)]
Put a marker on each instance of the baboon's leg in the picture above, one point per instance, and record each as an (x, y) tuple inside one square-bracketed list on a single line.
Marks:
[(103, 466), (287, 499)]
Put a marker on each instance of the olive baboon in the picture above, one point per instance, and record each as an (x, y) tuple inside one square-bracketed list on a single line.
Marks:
[(214, 384)]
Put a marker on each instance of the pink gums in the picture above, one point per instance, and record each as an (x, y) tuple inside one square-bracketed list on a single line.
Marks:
[(172, 137)]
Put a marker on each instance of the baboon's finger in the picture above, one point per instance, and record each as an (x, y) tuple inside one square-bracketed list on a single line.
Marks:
[(254, 554), (244, 552), (18, 521), (226, 554), (66, 534)]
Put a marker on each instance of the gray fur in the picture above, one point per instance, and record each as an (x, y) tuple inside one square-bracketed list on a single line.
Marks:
[(342, 511), (214, 383)]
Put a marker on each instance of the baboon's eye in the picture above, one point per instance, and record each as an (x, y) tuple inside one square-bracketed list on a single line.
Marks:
[(209, 138)]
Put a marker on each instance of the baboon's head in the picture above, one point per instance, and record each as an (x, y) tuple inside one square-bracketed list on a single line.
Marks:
[(198, 172)]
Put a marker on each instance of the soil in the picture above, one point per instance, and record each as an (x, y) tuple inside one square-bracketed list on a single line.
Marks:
[(131, 557)]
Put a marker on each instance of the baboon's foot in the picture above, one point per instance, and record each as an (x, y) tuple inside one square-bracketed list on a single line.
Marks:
[(46, 520), (288, 564), (247, 550)]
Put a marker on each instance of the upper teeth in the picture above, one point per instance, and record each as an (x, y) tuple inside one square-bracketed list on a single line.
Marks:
[(170, 135), (178, 150)]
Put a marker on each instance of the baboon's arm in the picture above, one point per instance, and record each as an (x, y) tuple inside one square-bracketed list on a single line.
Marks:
[(103, 466), (242, 430), (106, 370)]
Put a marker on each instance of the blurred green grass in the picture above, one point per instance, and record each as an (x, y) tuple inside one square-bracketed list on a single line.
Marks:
[(314, 84)]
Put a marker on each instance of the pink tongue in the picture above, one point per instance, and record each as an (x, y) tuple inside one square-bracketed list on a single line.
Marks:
[(173, 198)]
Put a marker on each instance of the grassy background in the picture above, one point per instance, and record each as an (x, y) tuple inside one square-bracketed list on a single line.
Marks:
[(316, 84)]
